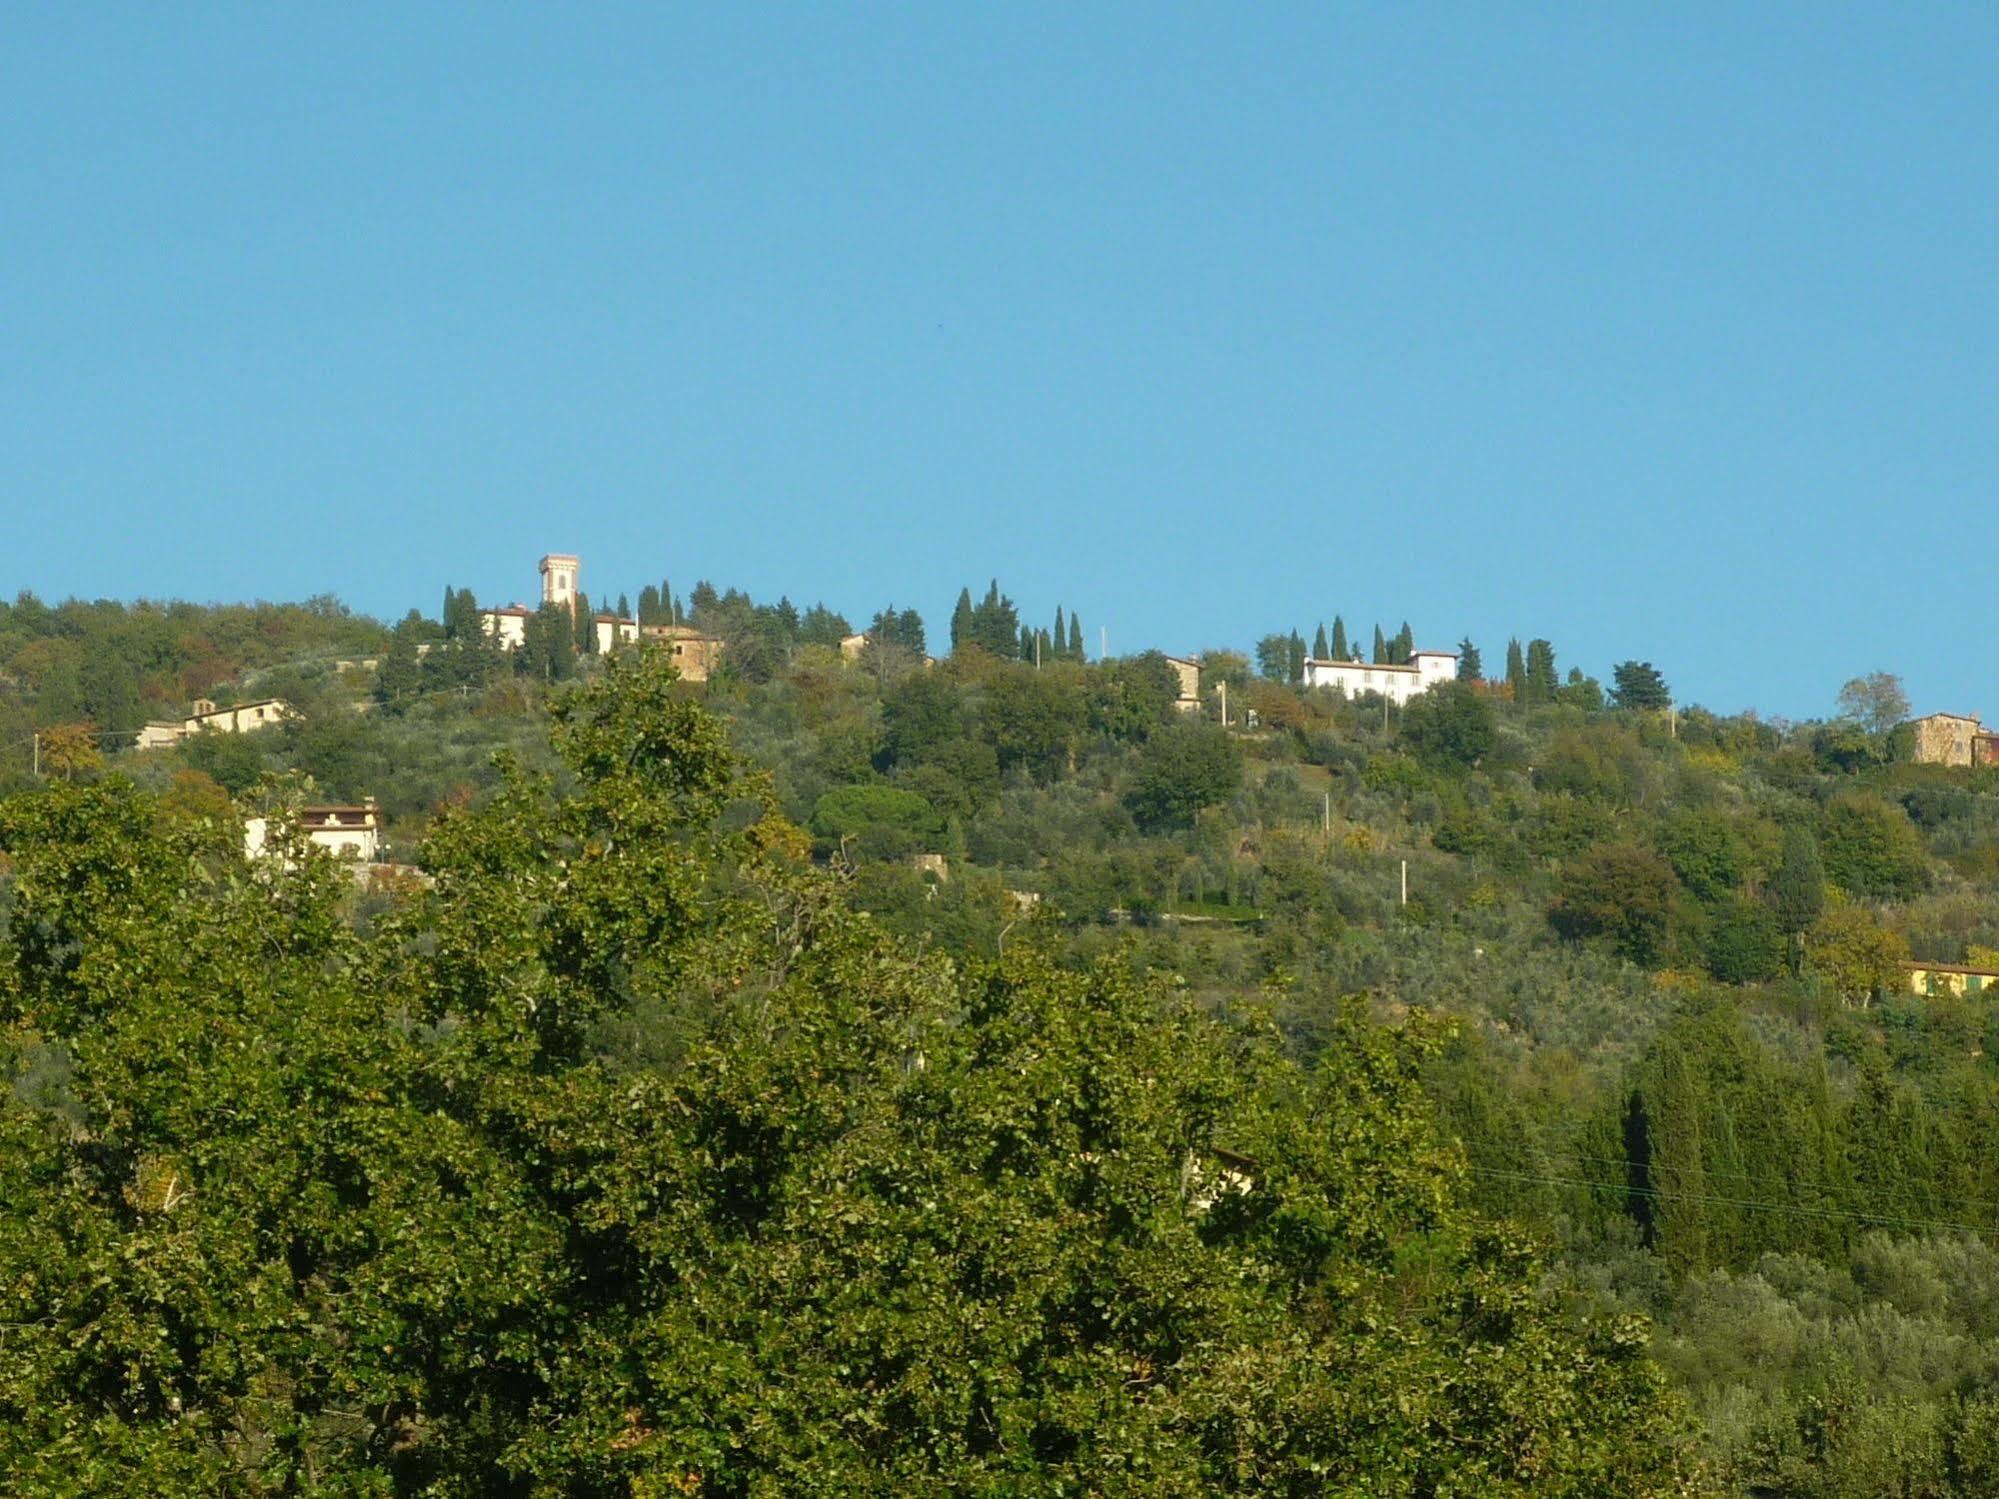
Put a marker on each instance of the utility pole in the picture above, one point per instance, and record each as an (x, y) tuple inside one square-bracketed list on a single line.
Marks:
[(1225, 702), (38, 754), (1405, 882), (1326, 815), (1103, 642)]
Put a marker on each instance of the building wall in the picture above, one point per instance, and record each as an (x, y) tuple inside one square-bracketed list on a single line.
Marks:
[(1945, 739), (240, 720), (559, 572), (1396, 683), (612, 633), (510, 630), (1934, 981)]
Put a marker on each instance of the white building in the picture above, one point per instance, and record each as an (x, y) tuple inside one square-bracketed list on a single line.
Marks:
[(344, 832), (1396, 683)]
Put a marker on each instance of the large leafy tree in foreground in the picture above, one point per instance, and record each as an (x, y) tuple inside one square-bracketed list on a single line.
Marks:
[(623, 1160)]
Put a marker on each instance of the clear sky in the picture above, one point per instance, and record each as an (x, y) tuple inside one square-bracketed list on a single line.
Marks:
[(1660, 331)]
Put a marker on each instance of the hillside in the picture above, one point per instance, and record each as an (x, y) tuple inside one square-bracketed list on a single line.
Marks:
[(1680, 1046)]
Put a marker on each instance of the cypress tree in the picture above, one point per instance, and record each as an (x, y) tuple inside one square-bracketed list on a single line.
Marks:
[(1075, 638), (624, 607), (648, 605), (1516, 670), (961, 621), (1541, 678), (583, 625), (1797, 890), (1470, 668), (450, 616), (1340, 646), (1060, 641), (1295, 658), (1403, 646), (1026, 643), (1380, 647), (1319, 643)]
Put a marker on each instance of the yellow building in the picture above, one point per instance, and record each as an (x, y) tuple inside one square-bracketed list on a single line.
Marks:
[(1950, 978)]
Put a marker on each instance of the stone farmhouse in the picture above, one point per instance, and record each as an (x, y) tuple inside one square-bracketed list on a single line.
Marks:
[(1189, 674), (695, 654), (1425, 669), (241, 718), (1955, 739)]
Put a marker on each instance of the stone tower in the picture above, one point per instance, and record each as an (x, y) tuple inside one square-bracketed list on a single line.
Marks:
[(558, 579)]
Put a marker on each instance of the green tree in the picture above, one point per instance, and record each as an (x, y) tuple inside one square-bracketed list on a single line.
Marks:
[(1319, 646), (1870, 847), (1470, 667), (1620, 893), (1403, 646), (1076, 650), (400, 676), (1450, 726), (961, 621), (1876, 702), (1380, 656), (1541, 681), (1516, 671), (1796, 891), (1639, 685), (1183, 768), (1273, 657), (1341, 651)]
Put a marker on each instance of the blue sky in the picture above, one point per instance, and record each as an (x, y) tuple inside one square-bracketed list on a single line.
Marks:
[(1669, 331)]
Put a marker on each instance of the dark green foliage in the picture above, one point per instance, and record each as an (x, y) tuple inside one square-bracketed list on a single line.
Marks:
[(1639, 685), (900, 630), (1621, 894), (1032, 719), (1707, 852), (1449, 726), (622, 1159), (848, 810), (1129, 698), (400, 676), (1184, 767), (1319, 646), (1744, 944), (1540, 682), (823, 627), (1341, 651), (1273, 658), (1871, 848), (1380, 656), (1471, 668), (992, 625), (1516, 670)]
